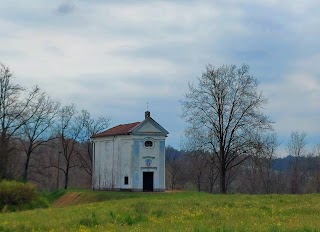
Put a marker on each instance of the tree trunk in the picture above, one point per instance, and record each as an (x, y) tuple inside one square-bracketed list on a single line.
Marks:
[(26, 166), (294, 181), (223, 188), (66, 177), (4, 156), (66, 180)]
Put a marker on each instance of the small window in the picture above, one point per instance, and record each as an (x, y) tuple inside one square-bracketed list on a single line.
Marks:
[(126, 180), (148, 143)]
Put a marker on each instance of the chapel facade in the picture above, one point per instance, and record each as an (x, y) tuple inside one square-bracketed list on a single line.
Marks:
[(130, 157)]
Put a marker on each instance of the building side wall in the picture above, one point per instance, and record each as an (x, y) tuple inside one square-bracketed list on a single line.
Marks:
[(125, 163), (136, 166), (103, 164)]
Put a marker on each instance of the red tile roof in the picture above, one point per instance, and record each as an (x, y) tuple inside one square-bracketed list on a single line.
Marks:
[(122, 129)]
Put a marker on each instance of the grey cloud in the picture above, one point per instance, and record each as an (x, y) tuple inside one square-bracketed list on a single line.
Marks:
[(176, 52), (272, 37), (65, 8)]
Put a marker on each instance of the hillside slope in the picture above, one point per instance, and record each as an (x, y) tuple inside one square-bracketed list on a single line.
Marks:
[(182, 211)]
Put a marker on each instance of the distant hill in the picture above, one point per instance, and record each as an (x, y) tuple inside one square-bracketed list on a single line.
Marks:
[(283, 164)]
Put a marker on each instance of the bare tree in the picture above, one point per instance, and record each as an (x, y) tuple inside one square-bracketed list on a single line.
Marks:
[(223, 109), (204, 167), (14, 103), (316, 173), (262, 157), (250, 179), (90, 127), (296, 148), (197, 166), (212, 173), (70, 128), (35, 132), (39, 170), (174, 168)]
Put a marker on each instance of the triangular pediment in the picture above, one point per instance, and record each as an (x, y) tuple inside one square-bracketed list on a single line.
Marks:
[(149, 126)]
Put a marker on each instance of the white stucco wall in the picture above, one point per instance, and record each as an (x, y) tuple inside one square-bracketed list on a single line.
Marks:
[(118, 156), (158, 160), (103, 160)]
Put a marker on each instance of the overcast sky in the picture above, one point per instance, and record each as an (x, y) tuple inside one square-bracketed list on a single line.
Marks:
[(112, 57)]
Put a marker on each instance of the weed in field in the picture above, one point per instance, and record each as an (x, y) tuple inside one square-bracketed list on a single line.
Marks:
[(4, 210), (112, 216), (140, 208), (307, 229), (274, 228), (128, 218), (3, 229), (140, 211), (230, 204), (132, 219), (266, 209), (89, 222), (158, 213), (201, 229), (224, 229)]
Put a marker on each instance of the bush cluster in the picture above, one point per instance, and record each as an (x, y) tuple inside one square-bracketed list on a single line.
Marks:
[(18, 196)]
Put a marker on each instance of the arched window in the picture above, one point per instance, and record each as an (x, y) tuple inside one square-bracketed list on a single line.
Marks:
[(148, 143)]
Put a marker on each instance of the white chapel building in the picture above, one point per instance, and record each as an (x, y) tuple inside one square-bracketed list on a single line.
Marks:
[(130, 157)]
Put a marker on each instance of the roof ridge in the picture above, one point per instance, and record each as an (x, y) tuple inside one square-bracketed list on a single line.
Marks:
[(128, 123), (121, 129)]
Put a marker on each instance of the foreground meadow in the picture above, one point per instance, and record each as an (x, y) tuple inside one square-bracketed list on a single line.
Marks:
[(182, 211)]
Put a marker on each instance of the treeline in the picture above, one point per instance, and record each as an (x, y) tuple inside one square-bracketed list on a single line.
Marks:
[(262, 172), (42, 140)]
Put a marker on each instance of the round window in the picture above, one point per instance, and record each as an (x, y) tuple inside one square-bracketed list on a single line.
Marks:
[(148, 143)]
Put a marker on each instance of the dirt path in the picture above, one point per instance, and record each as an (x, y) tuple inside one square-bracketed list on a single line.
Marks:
[(67, 199)]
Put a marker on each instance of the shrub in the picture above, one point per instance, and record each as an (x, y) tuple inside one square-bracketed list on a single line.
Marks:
[(19, 196)]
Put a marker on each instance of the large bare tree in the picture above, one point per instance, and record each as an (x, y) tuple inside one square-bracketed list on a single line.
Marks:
[(38, 130), (14, 104), (222, 110)]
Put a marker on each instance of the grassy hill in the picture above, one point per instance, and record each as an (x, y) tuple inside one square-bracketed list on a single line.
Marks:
[(178, 211)]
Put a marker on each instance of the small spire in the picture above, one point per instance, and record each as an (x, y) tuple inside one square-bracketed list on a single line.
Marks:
[(147, 106), (147, 114)]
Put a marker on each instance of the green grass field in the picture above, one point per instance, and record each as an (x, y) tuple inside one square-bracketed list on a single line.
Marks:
[(181, 211)]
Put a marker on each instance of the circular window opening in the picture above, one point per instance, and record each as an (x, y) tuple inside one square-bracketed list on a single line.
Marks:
[(148, 143)]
